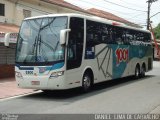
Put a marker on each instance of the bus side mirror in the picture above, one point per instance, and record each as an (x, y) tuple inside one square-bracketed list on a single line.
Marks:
[(6, 39), (63, 36)]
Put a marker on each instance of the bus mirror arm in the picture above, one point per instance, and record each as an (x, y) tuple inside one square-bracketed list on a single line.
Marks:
[(6, 39), (63, 36)]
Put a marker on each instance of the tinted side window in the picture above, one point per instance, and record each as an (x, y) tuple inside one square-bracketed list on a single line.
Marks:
[(139, 36), (129, 36), (98, 33), (119, 35), (147, 37)]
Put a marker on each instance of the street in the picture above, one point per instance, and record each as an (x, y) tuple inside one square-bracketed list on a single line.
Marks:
[(125, 95)]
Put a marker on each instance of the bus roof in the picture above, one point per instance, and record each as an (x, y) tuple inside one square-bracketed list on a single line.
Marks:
[(93, 18)]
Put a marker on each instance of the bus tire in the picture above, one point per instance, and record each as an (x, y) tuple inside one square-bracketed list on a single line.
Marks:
[(86, 82), (137, 72), (143, 70)]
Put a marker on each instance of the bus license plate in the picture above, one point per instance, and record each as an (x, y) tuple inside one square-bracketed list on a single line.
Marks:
[(35, 82)]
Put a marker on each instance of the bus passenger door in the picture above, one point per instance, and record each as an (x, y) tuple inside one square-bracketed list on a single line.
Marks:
[(75, 49)]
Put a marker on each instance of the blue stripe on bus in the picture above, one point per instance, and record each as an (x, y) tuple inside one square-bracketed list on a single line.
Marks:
[(47, 68), (24, 68), (57, 66)]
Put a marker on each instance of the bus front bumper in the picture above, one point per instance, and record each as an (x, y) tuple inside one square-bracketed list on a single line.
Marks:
[(41, 82)]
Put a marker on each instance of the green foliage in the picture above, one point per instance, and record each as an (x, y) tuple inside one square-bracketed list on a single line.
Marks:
[(157, 31)]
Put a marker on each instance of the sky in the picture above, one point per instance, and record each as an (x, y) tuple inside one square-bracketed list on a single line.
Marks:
[(134, 11)]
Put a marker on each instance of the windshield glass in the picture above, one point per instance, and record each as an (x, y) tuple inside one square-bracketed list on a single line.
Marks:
[(38, 40)]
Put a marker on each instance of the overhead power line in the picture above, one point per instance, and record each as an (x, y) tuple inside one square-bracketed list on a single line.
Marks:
[(135, 16), (155, 14), (97, 5), (103, 8), (124, 6), (132, 4)]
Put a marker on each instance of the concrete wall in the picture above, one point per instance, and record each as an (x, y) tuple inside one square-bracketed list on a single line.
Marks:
[(6, 71)]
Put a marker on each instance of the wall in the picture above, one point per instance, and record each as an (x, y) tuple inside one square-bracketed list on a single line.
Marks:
[(6, 71), (14, 9), (9, 12)]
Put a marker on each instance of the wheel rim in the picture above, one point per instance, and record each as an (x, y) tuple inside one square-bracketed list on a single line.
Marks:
[(137, 72), (86, 82)]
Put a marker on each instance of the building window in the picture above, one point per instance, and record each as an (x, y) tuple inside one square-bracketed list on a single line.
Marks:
[(2, 11), (26, 13)]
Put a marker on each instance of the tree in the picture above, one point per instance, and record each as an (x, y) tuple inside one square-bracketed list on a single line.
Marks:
[(157, 31)]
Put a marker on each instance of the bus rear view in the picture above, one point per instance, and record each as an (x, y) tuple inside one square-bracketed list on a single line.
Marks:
[(39, 52)]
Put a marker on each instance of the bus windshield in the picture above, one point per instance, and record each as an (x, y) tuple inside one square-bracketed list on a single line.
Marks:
[(38, 40)]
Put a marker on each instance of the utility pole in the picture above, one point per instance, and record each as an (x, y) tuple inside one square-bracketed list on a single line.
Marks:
[(148, 13)]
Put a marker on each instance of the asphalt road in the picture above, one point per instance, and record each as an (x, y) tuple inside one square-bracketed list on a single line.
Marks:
[(125, 95)]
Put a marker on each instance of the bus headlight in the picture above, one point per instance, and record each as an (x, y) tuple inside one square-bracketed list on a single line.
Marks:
[(18, 74), (56, 74)]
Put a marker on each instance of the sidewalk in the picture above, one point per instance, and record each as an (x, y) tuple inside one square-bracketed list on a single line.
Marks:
[(8, 88), (156, 64)]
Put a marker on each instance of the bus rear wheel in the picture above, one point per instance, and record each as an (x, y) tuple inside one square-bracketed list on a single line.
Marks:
[(143, 70), (137, 72), (86, 82)]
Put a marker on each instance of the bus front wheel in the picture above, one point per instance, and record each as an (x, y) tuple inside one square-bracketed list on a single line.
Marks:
[(87, 82)]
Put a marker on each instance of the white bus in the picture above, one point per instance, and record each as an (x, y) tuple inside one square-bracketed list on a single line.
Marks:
[(64, 51)]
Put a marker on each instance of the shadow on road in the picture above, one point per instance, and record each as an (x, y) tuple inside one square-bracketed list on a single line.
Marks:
[(76, 93)]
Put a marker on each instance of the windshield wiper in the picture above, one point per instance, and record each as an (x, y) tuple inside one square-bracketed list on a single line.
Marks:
[(37, 47), (34, 47), (38, 41)]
